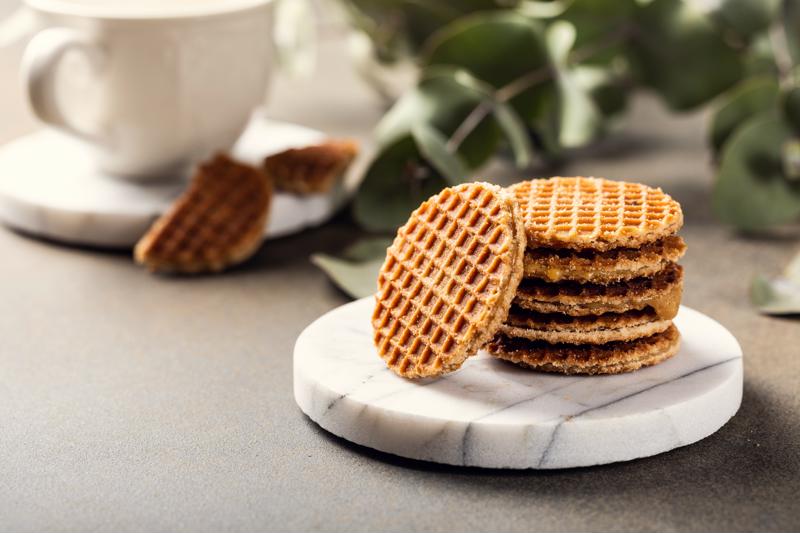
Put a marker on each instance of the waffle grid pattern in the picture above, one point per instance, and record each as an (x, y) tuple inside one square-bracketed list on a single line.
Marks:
[(594, 212), (442, 280), (223, 209), (312, 169)]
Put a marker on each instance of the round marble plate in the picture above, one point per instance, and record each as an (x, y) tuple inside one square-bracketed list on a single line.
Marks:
[(50, 187), (493, 414)]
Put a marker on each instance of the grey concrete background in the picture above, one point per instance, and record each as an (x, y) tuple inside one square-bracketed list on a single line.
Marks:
[(132, 402)]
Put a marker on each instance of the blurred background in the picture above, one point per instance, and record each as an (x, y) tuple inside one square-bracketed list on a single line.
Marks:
[(698, 97)]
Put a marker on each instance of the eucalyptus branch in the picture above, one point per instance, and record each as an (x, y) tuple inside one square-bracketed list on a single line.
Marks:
[(528, 81), (467, 126)]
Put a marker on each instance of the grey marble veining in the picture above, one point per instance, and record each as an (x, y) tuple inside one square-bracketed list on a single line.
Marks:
[(493, 414)]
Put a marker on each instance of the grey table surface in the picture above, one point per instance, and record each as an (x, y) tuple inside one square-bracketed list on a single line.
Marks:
[(134, 402)]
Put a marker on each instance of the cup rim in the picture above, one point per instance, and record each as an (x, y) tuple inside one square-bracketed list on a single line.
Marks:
[(214, 8)]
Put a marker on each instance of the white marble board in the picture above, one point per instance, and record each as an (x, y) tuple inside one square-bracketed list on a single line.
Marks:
[(493, 414)]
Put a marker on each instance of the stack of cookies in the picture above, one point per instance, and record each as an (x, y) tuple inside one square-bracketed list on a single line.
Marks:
[(568, 275), (601, 283)]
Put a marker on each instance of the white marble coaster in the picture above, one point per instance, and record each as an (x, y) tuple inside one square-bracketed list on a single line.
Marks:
[(50, 187), (493, 414)]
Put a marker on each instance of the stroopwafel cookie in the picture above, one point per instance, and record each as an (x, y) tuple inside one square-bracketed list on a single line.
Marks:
[(662, 292), (608, 358), (594, 213), (591, 329), (448, 280), (601, 284), (311, 169), (588, 265), (217, 222)]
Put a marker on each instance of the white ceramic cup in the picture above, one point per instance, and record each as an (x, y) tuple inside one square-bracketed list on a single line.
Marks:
[(151, 86)]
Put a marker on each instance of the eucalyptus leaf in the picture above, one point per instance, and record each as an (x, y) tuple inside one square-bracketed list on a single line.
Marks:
[(402, 26), (758, 58), (790, 106), (678, 52), (560, 38), (515, 132), (461, 76), (543, 9), (433, 147), (749, 98), (602, 27), (579, 119), (775, 296), (747, 17), (790, 151), (790, 16), (366, 249), (396, 182), (442, 100), (604, 85), (780, 295), (511, 124), (751, 192), (792, 270), (356, 271), (497, 47)]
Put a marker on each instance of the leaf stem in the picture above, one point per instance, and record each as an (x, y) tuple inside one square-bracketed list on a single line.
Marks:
[(469, 124), (527, 81)]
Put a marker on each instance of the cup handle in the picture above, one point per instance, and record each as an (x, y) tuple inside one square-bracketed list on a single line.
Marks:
[(39, 66)]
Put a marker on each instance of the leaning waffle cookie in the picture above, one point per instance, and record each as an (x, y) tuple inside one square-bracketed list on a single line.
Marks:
[(597, 329), (608, 358), (448, 280), (311, 169), (662, 292), (594, 213), (555, 264), (217, 222)]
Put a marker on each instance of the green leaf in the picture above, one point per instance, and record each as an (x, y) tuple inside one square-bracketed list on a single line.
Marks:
[(511, 124), (601, 26), (515, 132), (792, 270), (400, 27), (543, 9), (747, 99), (497, 47), (397, 181), (780, 295), (605, 85), (775, 296), (579, 119), (751, 191), (758, 58), (356, 271), (790, 105), (790, 150), (791, 25), (433, 147), (442, 100), (679, 53), (747, 17)]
